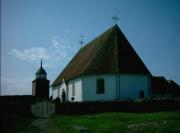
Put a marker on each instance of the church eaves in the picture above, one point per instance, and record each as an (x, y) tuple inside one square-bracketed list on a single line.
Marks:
[(109, 53)]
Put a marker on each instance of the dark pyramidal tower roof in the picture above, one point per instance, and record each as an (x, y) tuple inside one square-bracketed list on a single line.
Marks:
[(109, 53)]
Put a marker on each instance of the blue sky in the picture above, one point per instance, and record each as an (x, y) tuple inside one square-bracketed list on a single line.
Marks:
[(51, 29)]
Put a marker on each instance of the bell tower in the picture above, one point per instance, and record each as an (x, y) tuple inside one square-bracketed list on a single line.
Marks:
[(40, 86)]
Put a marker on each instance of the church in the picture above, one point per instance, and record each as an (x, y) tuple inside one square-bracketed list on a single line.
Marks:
[(107, 68)]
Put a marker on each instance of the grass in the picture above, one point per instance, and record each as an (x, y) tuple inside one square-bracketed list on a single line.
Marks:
[(22, 124), (159, 122), (15, 123)]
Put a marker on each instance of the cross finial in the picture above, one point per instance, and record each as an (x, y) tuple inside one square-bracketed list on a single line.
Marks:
[(115, 18), (81, 41)]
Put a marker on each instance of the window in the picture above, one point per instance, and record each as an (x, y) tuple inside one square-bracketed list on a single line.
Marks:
[(73, 89), (42, 76), (100, 86)]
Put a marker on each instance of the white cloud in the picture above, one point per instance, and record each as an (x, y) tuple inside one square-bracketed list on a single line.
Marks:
[(31, 54), (56, 54), (61, 43), (54, 41)]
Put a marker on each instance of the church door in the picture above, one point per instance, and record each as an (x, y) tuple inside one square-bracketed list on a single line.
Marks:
[(63, 96), (141, 94)]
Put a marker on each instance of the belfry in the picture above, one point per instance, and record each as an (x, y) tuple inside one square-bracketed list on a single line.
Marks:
[(40, 86)]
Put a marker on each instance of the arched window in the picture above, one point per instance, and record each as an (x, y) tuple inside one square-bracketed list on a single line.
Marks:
[(100, 86)]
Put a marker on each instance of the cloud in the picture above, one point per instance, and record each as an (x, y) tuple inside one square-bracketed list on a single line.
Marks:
[(54, 41), (31, 54), (61, 43), (55, 54)]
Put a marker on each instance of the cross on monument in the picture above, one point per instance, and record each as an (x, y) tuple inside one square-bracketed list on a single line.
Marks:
[(81, 41), (115, 18)]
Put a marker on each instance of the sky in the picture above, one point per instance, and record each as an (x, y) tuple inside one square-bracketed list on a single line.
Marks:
[(52, 29)]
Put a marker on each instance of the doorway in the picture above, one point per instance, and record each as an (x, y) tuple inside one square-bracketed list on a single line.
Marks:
[(141, 94)]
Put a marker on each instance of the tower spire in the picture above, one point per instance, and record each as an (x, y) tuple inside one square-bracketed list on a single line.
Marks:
[(41, 62)]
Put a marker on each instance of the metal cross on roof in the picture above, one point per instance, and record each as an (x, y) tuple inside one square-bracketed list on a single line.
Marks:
[(81, 41), (115, 18)]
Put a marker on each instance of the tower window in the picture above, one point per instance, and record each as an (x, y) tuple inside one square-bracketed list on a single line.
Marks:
[(100, 86)]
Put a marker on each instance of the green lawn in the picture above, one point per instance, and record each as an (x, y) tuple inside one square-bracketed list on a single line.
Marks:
[(15, 124), (160, 122)]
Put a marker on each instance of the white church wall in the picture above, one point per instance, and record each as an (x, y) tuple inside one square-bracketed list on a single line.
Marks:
[(89, 88), (55, 91), (75, 84), (131, 85), (78, 90), (70, 84), (62, 87), (85, 87)]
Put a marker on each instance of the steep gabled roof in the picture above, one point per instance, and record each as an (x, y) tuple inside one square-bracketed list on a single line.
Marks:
[(107, 54)]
